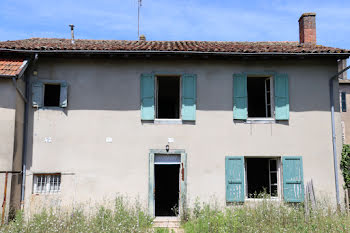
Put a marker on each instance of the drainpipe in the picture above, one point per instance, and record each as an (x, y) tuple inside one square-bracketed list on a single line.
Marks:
[(335, 159), (25, 134)]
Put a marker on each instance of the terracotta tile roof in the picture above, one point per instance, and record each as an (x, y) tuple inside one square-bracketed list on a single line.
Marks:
[(11, 67), (46, 44)]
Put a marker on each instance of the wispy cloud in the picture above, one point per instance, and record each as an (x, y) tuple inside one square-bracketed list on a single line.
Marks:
[(225, 20)]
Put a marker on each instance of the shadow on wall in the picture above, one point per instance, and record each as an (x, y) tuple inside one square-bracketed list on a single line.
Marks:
[(115, 84)]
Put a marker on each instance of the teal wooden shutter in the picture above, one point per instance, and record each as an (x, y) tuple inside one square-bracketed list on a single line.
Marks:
[(63, 94), (293, 182), (189, 84), (281, 97), (147, 97), (234, 166), (37, 94), (240, 97)]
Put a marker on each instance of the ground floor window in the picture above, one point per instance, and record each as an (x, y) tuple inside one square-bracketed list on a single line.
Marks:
[(46, 183), (262, 177)]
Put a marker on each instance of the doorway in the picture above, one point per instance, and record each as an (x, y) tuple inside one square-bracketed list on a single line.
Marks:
[(167, 182), (166, 189)]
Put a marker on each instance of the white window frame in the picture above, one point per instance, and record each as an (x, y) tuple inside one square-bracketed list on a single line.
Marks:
[(264, 120), (173, 121), (279, 177), (49, 183)]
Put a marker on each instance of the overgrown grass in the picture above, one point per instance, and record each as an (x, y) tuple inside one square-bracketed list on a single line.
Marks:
[(264, 216), (123, 217)]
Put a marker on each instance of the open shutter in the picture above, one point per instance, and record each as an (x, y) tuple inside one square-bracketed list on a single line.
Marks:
[(63, 95), (240, 97), (293, 182), (281, 97), (188, 112), (147, 97), (234, 166), (37, 94)]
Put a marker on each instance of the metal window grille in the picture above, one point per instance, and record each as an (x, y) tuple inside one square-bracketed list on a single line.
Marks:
[(45, 183)]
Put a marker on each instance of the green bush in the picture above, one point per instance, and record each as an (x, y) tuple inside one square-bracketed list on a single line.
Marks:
[(345, 164), (264, 216), (122, 218)]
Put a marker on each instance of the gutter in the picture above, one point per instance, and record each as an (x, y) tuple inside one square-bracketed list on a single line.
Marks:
[(170, 52), (25, 135), (335, 159)]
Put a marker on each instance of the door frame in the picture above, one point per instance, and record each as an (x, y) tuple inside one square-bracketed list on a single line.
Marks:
[(151, 179)]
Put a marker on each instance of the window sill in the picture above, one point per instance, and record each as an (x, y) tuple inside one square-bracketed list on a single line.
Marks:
[(260, 121), (167, 121), (262, 199)]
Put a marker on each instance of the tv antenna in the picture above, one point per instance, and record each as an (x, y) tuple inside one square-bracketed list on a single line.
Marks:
[(139, 4)]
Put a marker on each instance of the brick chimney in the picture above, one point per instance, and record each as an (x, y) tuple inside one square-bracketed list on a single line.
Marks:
[(307, 28)]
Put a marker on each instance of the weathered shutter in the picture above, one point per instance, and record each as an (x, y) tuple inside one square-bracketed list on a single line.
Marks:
[(147, 97), (37, 94), (281, 97), (188, 111), (293, 183), (234, 166), (240, 97), (63, 95)]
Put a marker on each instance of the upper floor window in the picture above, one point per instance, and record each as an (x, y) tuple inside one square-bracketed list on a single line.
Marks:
[(343, 101), (168, 97), (257, 97), (49, 93), (52, 95)]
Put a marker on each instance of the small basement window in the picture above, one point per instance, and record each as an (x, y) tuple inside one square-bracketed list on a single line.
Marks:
[(52, 94), (262, 177), (259, 96), (168, 97), (46, 183)]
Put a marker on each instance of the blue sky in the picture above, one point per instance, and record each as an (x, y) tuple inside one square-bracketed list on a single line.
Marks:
[(222, 20)]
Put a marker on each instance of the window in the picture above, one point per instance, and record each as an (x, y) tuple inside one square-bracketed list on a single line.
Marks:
[(259, 97), (46, 183), (343, 101), (52, 95), (49, 93), (165, 97), (262, 177), (247, 177), (168, 97)]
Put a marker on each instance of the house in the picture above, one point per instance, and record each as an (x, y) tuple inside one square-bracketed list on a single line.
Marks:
[(344, 91), (170, 121)]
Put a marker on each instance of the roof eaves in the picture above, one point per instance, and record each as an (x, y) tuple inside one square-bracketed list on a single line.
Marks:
[(347, 54)]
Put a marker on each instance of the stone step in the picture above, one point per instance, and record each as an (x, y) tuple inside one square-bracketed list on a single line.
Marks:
[(167, 222)]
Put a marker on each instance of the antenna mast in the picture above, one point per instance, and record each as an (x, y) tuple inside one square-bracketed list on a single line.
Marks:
[(139, 4)]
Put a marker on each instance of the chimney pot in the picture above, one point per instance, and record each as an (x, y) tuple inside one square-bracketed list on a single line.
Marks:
[(307, 28), (72, 32), (142, 38)]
